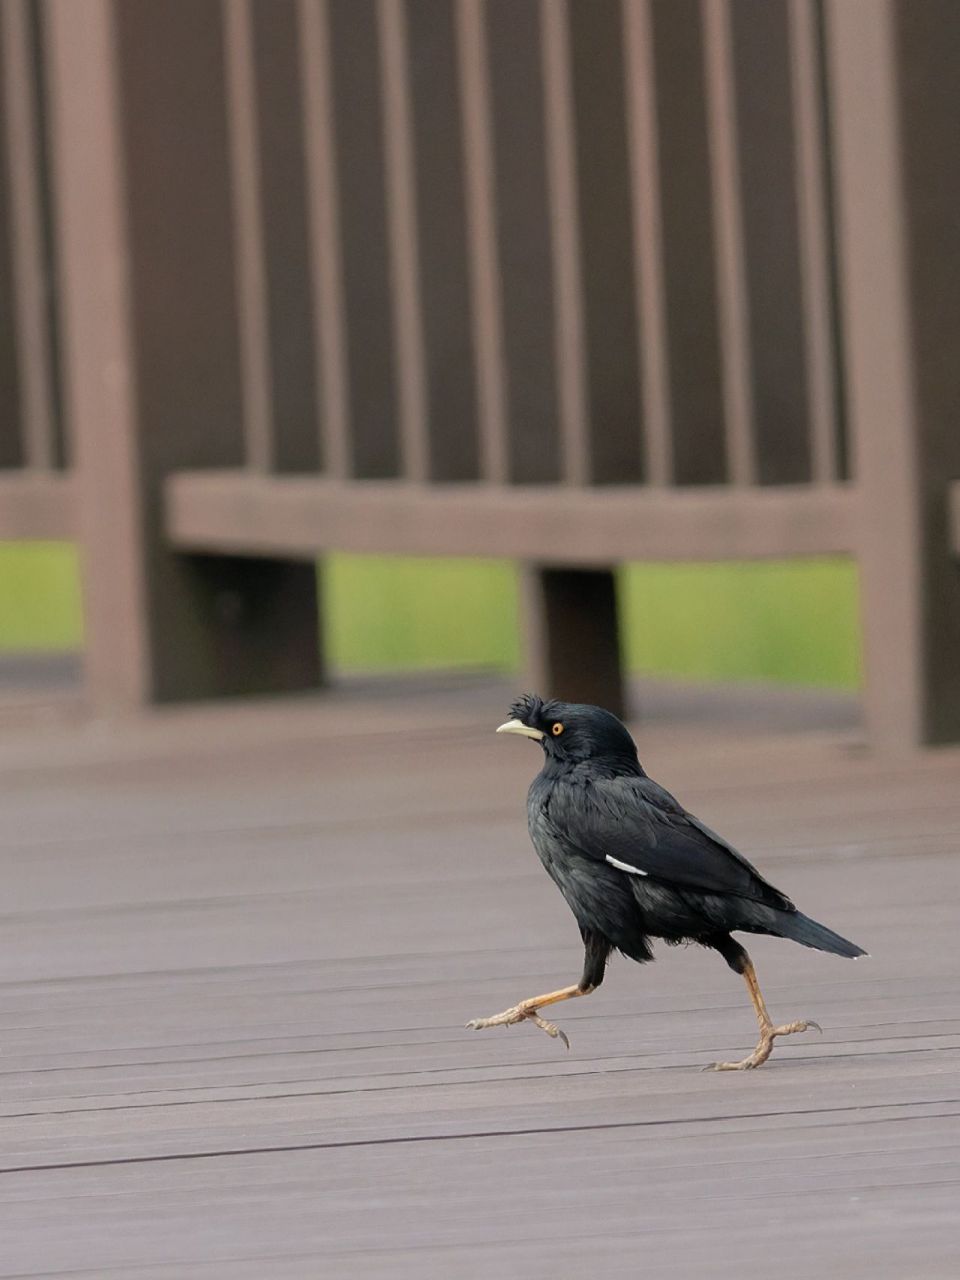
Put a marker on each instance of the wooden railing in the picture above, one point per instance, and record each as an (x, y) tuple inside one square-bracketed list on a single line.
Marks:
[(569, 281)]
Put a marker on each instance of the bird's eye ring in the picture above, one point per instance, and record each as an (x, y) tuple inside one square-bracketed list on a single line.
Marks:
[(557, 729)]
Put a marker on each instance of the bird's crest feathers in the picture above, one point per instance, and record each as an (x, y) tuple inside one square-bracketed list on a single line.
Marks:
[(527, 708)]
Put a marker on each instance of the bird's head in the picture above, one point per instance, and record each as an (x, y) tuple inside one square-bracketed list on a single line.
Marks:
[(570, 732)]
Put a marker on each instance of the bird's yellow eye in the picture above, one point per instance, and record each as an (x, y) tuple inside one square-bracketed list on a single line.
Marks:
[(557, 729)]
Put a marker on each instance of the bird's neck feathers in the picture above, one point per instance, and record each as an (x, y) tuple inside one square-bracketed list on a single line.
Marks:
[(612, 765)]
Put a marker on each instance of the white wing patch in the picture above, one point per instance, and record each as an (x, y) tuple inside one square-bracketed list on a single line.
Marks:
[(624, 866)]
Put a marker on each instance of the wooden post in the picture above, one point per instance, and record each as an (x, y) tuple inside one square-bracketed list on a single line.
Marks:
[(152, 355), (895, 101), (571, 635)]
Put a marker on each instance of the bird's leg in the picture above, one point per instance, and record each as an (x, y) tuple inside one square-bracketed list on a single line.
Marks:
[(529, 1009), (596, 950), (768, 1032)]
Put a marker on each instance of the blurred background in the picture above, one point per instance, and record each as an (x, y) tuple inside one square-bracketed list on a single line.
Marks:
[(634, 315)]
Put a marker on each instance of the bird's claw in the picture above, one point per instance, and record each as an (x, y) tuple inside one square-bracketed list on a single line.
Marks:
[(550, 1028), (762, 1052), (746, 1065), (518, 1013)]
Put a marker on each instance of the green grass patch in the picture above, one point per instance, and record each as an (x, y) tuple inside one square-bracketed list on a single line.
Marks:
[(39, 596), (793, 622), (396, 612)]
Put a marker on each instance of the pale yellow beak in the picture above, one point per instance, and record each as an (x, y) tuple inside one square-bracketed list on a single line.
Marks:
[(517, 726)]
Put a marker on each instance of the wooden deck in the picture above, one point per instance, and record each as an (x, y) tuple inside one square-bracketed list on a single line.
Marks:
[(238, 947)]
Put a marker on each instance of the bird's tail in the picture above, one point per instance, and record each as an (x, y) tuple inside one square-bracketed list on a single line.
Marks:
[(800, 928)]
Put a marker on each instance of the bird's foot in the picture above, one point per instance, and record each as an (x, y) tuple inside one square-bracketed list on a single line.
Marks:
[(765, 1046), (520, 1013)]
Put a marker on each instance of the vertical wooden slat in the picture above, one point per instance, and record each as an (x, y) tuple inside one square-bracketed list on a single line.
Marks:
[(606, 242), (11, 442), (828, 147), (327, 274), (404, 264), (250, 263), (647, 232), (291, 321), (47, 232), (728, 226), (442, 240), (481, 214), (358, 147), (273, 252), (512, 29), (814, 243), (33, 339), (689, 268), (564, 232), (770, 240)]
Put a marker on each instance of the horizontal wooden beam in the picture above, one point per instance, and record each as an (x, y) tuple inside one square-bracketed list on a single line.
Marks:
[(239, 512), (36, 505)]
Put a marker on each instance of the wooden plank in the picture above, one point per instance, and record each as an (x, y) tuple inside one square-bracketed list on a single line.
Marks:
[(252, 1205), (36, 505), (228, 1042), (233, 512)]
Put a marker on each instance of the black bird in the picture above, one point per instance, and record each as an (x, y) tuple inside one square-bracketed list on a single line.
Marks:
[(633, 865)]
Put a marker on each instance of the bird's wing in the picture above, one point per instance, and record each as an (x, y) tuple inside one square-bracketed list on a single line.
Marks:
[(637, 826)]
